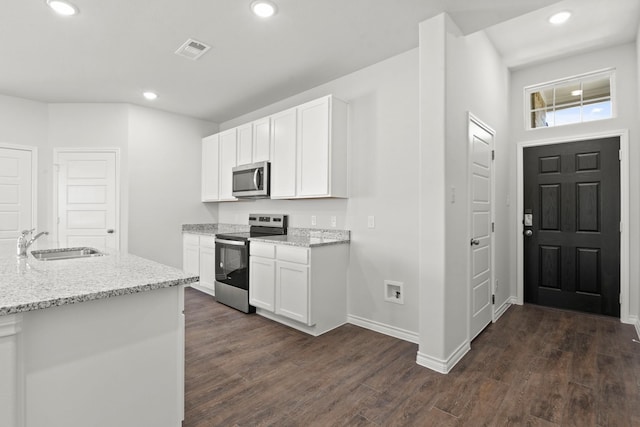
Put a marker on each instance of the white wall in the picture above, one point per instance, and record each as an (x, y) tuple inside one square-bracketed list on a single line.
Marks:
[(383, 168), (24, 122), (90, 126), (637, 313), (624, 59), (475, 80), (160, 165), (164, 182)]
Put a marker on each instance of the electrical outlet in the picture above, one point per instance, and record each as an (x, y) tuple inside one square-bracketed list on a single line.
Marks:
[(313, 220), (334, 221), (371, 221)]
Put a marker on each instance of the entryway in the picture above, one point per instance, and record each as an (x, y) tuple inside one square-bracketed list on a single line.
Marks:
[(572, 224)]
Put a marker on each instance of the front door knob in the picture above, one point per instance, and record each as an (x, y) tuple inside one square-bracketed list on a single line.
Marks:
[(528, 233)]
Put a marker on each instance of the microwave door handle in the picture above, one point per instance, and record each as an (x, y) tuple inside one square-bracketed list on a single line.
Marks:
[(255, 178)]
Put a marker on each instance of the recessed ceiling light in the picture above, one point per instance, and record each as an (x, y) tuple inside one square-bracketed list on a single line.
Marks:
[(560, 17), (62, 7), (150, 95), (263, 8)]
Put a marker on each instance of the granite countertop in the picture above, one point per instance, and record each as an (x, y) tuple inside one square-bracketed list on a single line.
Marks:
[(302, 241), (29, 284), (303, 237)]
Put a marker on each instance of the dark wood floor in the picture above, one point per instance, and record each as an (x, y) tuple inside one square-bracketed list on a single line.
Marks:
[(534, 367)]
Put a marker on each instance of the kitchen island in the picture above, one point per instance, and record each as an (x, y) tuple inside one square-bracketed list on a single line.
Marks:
[(91, 342)]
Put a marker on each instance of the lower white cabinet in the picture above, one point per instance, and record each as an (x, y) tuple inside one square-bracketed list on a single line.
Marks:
[(199, 257), (262, 277), (304, 288)]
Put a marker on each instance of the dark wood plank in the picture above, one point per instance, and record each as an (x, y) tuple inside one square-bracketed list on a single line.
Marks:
[(534, 367)]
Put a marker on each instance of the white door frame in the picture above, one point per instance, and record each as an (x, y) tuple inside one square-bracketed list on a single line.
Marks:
[(56, 165), (624, 211), (34, 178), (473, 118)]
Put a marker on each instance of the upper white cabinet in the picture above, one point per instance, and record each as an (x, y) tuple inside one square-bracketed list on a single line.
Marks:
[(228, 156), (210, 160), (306, 145), (283, 154), (319, 166), (261, 140), (245, 144)]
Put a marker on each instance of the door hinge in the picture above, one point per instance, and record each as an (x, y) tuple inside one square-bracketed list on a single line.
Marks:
[(493, 299), (621, 226), (619, 154), (493, 154), (493, 227)]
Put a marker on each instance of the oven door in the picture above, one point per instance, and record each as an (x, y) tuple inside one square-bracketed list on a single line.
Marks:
[(232, 263)]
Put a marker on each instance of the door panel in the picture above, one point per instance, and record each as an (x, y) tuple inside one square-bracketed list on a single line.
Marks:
[(15, 197), (480, 153), (87, 206), (572, 257)]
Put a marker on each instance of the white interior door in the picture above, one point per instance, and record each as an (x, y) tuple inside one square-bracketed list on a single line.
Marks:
[(87, 199), (16, 196), (481, 186)]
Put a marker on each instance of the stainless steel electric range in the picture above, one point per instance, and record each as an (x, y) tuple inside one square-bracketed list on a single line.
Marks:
[(232, 259)]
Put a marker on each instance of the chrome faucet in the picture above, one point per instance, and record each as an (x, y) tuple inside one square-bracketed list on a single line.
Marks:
[(23, 244)]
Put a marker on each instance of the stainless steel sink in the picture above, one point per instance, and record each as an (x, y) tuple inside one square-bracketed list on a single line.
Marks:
[(66, 253)]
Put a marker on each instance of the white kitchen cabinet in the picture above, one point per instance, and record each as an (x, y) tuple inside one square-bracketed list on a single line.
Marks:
[(292, 291), (198, 257), (262, 276), (208, 263), (228, 160), (315, 164), (210, 160), (304, 288), (245, 144), (283, 154), (191, 253), (261, 140)]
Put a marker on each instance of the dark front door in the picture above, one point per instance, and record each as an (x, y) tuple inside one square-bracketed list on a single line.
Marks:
[(572, 225)]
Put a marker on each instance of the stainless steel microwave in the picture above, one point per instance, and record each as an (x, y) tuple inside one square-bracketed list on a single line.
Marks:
[(252, 180)]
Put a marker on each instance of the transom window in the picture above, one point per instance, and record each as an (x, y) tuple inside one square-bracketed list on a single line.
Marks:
[(574, 100)]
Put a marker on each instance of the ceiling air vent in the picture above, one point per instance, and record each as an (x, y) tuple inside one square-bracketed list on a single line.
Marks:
[(192, 49)]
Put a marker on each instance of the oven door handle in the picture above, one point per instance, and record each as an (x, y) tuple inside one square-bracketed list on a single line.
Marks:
[(230, 242)]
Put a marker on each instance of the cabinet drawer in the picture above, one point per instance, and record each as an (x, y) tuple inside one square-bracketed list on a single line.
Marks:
[(264, 250), (208, 241), (191, 239), (293, 254)]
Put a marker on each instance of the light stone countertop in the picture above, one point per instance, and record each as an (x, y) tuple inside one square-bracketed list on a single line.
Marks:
[(29, 284), (303, 237), (301, 241)]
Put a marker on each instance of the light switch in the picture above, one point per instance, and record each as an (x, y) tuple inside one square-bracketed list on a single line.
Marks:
[(371, 221), (313, 220), (334, 222)]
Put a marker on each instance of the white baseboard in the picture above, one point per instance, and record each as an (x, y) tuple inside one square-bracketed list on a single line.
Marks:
[(635, 321), (443, 366), (382, 328), (502, 309)]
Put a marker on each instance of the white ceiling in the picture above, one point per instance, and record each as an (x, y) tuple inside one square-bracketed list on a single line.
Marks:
[(113, 50), (594, 24)]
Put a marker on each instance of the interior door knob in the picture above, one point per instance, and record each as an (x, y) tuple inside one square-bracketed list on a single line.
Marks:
[(475, 242), (111, 231), (528, 233)]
